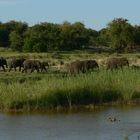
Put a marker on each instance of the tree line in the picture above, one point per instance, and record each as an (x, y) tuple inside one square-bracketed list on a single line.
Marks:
[(119, 34)]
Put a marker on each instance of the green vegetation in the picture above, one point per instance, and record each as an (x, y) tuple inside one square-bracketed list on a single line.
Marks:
[(49, 91), (56, 88), (119, 35)]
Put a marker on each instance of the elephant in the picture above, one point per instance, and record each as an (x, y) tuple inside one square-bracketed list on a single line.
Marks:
[(90, 65), (16, 62), (31, 64), (3, 63), (82, 66), (43, 66), (75, 67), (114, 63)]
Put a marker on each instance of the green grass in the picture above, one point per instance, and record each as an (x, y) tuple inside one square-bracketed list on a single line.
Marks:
[(49, 91)]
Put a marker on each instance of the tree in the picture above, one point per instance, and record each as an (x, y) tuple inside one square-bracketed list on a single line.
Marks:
[(16, 41), (17, 30), (121, 34), (34, 39), (73, 36), (92, 37), (103, 38), (42, 37), (3, 37), (7, 28), (48, 36), (137, 35)]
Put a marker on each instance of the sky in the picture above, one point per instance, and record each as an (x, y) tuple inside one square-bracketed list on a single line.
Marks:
[(95, 14)]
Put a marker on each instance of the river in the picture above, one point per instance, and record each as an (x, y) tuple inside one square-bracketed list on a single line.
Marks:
[(74, 125)]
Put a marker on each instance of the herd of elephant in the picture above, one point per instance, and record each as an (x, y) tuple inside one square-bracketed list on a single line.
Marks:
[(23, 63), (75, 66)]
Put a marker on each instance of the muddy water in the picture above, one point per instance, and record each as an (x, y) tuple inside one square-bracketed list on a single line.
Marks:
[(80, 125)]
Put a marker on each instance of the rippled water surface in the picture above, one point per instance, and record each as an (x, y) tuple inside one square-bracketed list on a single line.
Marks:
[(80, 125)]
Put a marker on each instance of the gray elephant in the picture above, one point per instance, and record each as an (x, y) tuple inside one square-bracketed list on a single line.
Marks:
[(16, 62), (3, 63), (75, 67), (44, 66), (82, 66), (31, 64), (90, 65), (115, 63)]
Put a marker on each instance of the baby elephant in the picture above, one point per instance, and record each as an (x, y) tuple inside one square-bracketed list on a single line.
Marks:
[(16, 62), (31, 64), (3, 63)]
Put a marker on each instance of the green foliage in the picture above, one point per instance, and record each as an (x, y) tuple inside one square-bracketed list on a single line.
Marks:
[(73, 36), (16, 41), (3, 36), (137, 35), (44, 37), (41, 38), (103, 38), (121, 34), (47, 36), (7, 28)]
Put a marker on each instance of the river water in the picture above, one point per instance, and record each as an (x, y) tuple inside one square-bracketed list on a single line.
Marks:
[(76, 125)]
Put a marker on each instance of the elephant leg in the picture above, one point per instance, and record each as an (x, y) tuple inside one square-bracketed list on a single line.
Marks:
[(41, 69), (10, 68), (15, 68), (24, 70), (32, 70), (4, 68), (45, 68), (37, 69), (19, 68)]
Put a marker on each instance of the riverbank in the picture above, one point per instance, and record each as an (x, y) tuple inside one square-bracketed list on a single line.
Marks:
[(50, 91)]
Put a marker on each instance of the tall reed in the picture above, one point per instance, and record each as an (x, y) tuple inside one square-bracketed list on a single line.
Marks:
[(49, 91)]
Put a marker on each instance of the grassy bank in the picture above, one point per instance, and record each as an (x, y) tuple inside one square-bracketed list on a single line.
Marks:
[(49, 91), (67, 55)]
